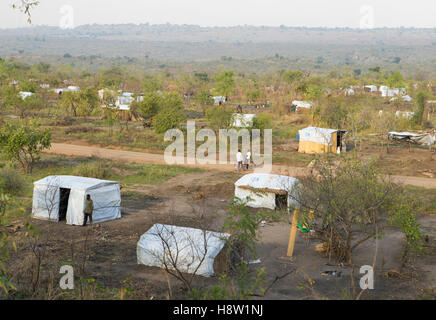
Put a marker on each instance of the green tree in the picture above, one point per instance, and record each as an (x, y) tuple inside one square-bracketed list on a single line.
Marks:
[(151, 84), (148, 107), (396, 80), (80, 103), (291, 76), (418, 117), (253, 95), (203, 97), (171, 113), (219, 118), (225, 83), (28, 86), (23, 142), (22, 106)]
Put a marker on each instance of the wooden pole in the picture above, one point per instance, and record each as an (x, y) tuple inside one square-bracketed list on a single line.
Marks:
[(293, 234)]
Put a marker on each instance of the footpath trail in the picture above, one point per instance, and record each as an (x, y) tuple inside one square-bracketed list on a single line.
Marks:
[(143, 157)]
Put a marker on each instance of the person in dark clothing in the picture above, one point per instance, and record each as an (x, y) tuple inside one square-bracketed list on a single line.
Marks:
[(89, 207)]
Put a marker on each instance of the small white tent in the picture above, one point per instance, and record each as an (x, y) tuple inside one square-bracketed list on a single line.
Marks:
[(187, 249), (243, 120), (263, 190), (302, 104), (24, 94), (63, 197)]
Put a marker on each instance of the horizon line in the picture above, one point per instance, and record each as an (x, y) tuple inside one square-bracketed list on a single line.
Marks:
[(223, 26)]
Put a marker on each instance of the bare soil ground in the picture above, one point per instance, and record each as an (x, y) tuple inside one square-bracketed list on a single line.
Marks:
[(111, 253), (412, 164)]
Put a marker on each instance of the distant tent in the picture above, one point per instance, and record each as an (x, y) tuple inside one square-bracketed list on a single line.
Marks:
[(301, 104), (240, 120), (406, 98), (219, 99), (405, 114), (187, 249), (73, 88), (350, 92), (24, 94), (421, 139), (63, 197), (321, 140), (262, 190), (371, 88)]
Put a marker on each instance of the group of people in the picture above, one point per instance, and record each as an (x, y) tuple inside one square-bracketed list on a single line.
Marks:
[(243, 162)]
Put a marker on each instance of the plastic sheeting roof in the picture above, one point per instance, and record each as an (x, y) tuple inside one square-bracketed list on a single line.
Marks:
[(73, 182), (190, 250), (422, 139), (317, 135), (302, 104), (243, 120), (266, 181)]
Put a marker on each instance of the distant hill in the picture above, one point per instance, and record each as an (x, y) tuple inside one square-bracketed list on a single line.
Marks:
[(183, 43)]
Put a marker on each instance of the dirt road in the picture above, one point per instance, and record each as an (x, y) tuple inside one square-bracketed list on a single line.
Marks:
[(141, 157)]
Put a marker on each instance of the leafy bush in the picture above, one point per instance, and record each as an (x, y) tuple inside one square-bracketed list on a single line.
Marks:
[(219, 117), (98, 170), (11, 182), (170, 115), (23, 142), (262, 122)]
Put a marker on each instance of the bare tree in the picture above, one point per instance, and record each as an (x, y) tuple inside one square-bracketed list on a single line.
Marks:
[(352, 203), (26, 7)]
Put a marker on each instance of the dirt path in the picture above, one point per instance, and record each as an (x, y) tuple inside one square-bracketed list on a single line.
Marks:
[(141, 157)]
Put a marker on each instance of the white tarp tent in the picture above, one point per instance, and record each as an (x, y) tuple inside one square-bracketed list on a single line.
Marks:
[(260, 190), (240, 120), (218, 99), (406, 98), (301, 104), (187, 249), (317, 135), (405, 114), (422, 139), (54, 193), (371, 88), (24, 94)]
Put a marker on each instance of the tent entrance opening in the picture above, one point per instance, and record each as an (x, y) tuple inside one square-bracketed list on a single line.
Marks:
[(63, 203), (341, 135), (281, 201)]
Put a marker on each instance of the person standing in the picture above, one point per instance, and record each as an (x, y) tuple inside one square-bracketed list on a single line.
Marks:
[(247, 159), (239, 159), (89, 208)]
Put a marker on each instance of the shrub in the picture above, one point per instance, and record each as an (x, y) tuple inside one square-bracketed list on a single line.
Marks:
[(219, 117), (11, 182), (262, 122), (98, 170), (170, 115)]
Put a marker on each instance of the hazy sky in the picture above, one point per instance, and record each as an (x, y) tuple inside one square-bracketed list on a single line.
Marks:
[(310, 13)]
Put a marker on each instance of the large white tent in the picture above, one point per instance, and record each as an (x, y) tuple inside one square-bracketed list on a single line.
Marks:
[(263, 190), (63, 197), (187, 249)]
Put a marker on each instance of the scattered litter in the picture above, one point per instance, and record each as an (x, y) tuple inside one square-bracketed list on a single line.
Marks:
[(321, 247), (332, 273), (254, 261), (396, 274), (262, 223)]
